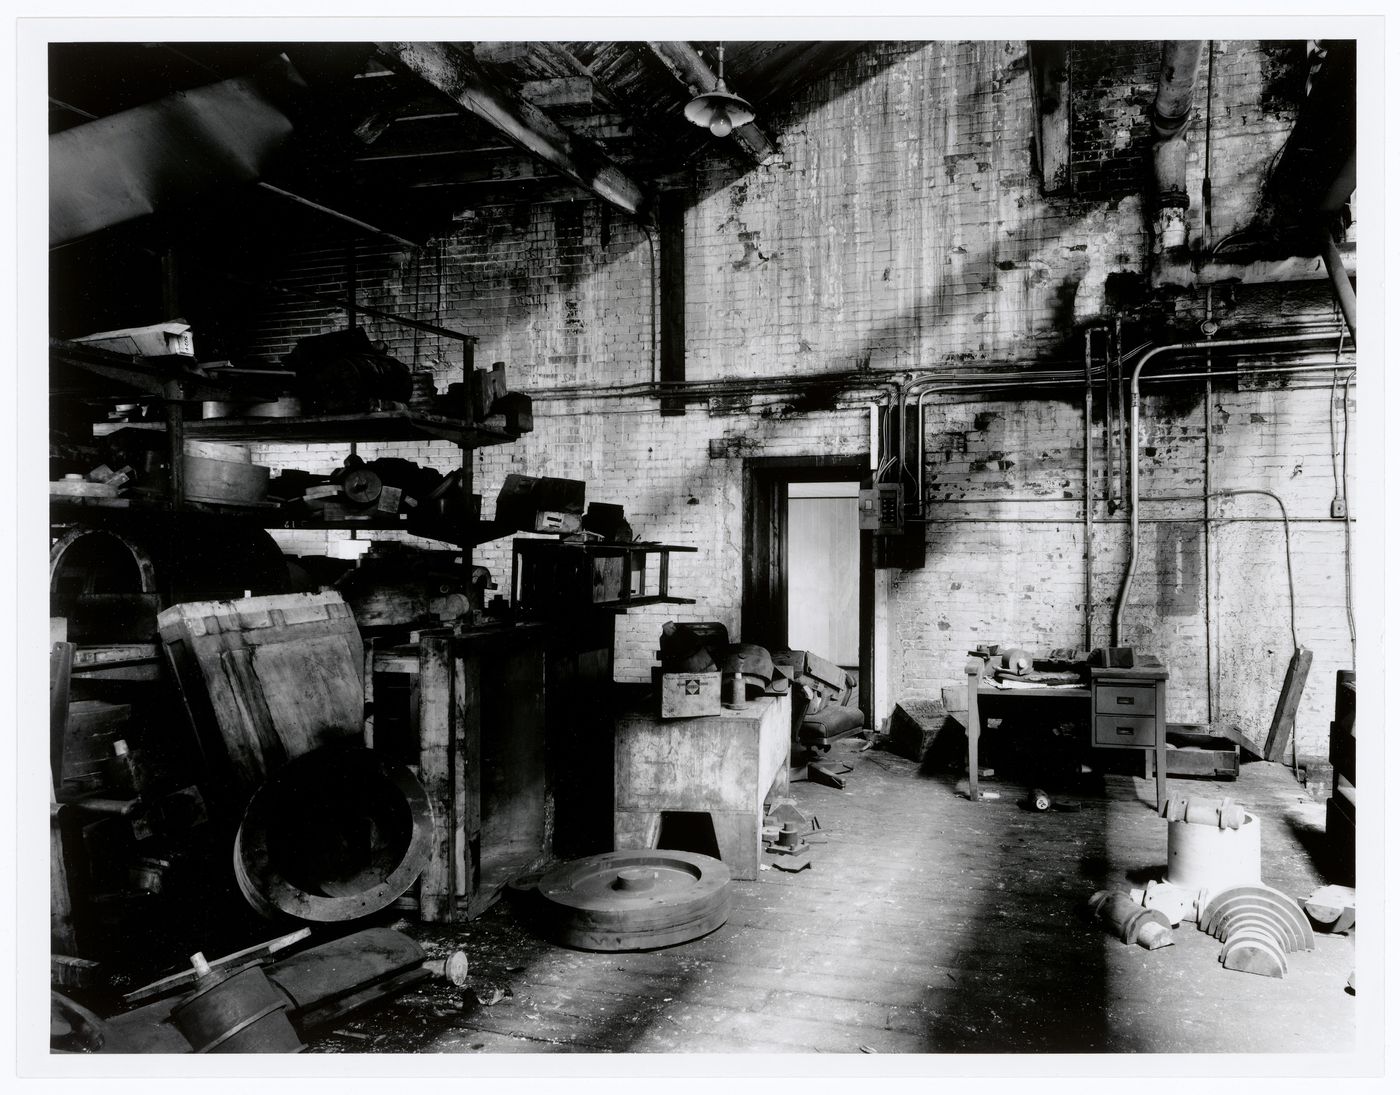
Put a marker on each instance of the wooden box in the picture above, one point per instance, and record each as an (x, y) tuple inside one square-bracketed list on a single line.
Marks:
[(686, 695), (1194, 753)]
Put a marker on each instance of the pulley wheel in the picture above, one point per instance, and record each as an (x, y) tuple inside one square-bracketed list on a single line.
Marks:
[(361, 486), (635, 900)]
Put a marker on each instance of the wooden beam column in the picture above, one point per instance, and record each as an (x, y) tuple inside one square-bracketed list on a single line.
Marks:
[(671, 262), (1050, 89)]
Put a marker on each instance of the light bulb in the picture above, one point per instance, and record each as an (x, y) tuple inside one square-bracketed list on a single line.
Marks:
[(721, 126)]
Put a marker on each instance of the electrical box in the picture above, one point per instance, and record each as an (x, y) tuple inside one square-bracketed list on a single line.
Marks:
[(881, 509)]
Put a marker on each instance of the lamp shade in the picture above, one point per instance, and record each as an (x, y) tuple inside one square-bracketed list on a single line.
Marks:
[(720, 111)]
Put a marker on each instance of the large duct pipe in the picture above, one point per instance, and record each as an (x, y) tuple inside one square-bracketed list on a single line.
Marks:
[(1176, 90), (1341, 284), (1176, 87), (130, 164)]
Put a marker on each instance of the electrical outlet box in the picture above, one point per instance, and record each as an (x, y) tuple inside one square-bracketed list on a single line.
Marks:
[(1339, 508), (881, 509)]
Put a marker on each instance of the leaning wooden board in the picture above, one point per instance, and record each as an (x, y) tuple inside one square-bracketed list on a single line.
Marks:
[(266, 679)]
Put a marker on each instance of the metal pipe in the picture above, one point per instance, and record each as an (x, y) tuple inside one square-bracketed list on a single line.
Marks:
[(337, 214), (1069, 520), (1171, 110), (1115, 402), (1089, 489), (1133, 412), (855, 382), (1341, 284), (1205, 519)]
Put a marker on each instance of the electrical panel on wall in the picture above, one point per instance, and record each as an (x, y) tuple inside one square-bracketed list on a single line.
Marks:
[(881, 509)]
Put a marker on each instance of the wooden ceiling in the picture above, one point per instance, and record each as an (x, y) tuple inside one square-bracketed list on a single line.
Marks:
[(405, 136)]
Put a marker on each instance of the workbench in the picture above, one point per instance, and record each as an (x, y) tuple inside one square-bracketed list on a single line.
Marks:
[(1126, 709), (723, 765)]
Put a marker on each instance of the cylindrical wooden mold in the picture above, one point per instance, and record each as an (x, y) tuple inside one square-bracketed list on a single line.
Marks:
[(1204, 857), (239, 1012)]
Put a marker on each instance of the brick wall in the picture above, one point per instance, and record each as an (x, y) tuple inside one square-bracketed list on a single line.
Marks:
[(903, 229)]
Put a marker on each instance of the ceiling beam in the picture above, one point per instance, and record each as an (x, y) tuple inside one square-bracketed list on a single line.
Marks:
[(458, 77), (690, 69), (801, 67)]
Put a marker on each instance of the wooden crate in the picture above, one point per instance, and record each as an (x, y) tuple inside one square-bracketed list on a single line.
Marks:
[(688, 695), (1194, 753), (722, 765)]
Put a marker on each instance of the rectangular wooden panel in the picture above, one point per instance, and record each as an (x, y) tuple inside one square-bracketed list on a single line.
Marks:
[(266, 679), (436, 751)]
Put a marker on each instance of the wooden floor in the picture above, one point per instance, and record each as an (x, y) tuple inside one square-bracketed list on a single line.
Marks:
[(926, 924)]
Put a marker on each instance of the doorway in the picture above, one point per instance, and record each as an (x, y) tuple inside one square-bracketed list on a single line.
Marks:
[(808, 568), (823, 570)]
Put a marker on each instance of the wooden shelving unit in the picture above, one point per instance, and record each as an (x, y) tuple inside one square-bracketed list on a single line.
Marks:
[(550, 576), (368, 427)]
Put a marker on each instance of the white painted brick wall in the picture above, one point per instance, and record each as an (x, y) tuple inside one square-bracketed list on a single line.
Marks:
[(902, 229)]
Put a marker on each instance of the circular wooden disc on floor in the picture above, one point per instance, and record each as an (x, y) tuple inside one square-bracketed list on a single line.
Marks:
[(635, 900)]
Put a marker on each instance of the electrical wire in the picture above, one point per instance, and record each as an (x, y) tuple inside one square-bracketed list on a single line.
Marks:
[(1287, 552), (1332, 433), (651, 245), (1346, 429)]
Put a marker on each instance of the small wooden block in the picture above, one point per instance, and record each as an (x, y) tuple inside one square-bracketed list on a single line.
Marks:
[(75, 973)]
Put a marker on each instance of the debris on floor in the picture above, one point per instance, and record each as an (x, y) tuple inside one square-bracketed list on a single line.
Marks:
[(632, 900), (828, 772), (1258, 926), (253, 1002), (1131, 922), (964, 788), (1332, 909), (785, 846)]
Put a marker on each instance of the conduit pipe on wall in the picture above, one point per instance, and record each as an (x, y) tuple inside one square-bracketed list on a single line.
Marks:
[(967, 386), (1134, 402), (1089, 484)]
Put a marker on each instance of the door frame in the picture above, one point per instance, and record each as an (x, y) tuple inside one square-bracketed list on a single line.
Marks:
[(764, 610)]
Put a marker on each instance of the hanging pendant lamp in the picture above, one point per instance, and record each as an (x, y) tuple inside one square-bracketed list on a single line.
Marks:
[(720, 111)]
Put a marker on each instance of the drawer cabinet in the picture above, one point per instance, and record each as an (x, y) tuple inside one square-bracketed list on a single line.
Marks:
[(1113, 698), (1133, 730), (1130, 712)]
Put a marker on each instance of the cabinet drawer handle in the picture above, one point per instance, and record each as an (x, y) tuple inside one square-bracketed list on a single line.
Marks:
[(1125, 730), (1126, 701)]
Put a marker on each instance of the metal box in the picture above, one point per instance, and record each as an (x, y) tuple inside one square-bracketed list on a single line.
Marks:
[(881, 509)]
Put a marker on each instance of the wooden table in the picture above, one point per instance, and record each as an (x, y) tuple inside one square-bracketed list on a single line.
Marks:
[(1126, 707), (722, 765)]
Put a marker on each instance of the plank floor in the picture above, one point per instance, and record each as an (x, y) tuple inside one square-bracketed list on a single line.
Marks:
[(926, 924)]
